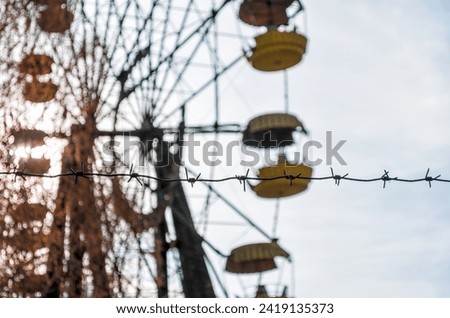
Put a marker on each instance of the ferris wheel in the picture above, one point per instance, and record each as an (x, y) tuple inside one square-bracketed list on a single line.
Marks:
[(110, 88)]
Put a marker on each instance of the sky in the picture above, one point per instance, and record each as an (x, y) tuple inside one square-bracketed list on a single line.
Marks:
[(376, 74)]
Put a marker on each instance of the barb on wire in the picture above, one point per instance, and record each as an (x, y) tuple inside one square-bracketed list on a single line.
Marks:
[(337, 178), (242, 179), (190, 180), (19, 173), (385, 177), (134, 175), (79, 173), (290, 177), (430, 179)]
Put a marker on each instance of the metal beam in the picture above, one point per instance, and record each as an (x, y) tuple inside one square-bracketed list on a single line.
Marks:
[(196, 280)]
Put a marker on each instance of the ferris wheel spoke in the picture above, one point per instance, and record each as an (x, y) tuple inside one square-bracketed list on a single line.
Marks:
[(147, 265), (165, 29), (134, 112), (139, 54), (235, 209), (205, 23), (106, 32), (201, 89), (132, 60), (120, 19), (217, 276), (184, 20), (184, 69)]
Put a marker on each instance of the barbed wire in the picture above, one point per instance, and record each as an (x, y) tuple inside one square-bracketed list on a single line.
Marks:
[(242, 179)]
